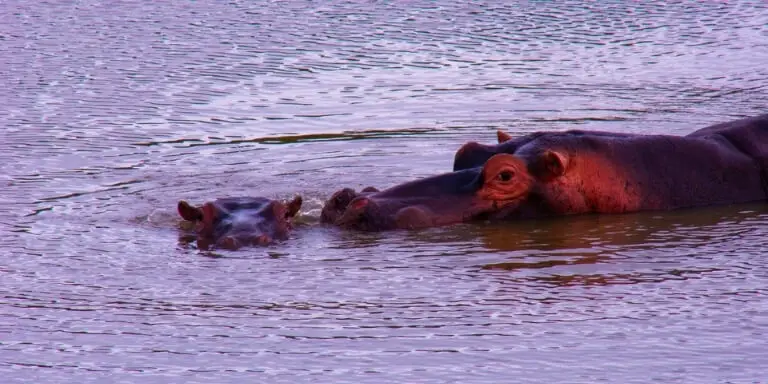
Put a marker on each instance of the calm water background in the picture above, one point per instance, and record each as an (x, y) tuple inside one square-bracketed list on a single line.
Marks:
[(113, 111)]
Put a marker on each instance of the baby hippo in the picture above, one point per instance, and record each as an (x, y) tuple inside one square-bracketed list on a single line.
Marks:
[(235, 222)]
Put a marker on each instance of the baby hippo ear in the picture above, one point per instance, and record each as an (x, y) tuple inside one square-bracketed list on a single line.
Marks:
[(503, 136), (293, 207), (550, 164), (188, 212)]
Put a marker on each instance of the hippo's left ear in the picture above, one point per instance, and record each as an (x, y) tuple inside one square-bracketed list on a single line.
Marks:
[(503, 136), (550, 164)]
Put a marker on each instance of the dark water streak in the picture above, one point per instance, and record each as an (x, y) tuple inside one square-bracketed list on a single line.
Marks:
[(111, 112)]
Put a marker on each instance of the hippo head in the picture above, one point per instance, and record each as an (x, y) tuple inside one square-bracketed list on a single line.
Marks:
[(240, 221), (460, 196), (473, 154)]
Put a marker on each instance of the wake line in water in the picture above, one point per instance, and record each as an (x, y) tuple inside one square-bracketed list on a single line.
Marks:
[(304, 138)]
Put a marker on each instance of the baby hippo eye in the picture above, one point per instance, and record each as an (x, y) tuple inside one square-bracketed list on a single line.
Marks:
[(505, 175)]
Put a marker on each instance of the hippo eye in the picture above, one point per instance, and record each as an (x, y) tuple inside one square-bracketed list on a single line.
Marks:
[(505, 176)]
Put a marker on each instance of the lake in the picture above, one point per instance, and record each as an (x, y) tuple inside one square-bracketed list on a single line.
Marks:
[(114, 111)]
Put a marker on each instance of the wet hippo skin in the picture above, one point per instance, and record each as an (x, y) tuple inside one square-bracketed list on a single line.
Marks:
[(433, 201), (235, 222), (564, 173), (749, 135)]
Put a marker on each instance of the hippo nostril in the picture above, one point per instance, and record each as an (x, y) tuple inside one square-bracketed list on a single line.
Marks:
[(472, 145), (471, 155), (356, 212), (343, 197), (359, 203)]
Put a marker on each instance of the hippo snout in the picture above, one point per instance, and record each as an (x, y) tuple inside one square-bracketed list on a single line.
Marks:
[(445, 199)]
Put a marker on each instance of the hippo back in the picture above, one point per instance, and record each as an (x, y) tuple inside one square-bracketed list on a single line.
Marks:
[(749, 135)]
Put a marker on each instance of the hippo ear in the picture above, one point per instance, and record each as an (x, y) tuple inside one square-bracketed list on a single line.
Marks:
[(503, 136), (550, 164), (189, 212), (293, 207), (209, 213)]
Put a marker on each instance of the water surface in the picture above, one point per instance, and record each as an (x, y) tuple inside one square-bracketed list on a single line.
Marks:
[(114, 111)]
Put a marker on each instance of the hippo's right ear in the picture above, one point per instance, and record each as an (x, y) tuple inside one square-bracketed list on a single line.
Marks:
[(550, 164), (502, 136), (293, 207), (189, 212)]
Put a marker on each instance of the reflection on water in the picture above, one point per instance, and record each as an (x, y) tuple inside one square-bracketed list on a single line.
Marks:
[(666, 238), (112, 112), (645, 230)]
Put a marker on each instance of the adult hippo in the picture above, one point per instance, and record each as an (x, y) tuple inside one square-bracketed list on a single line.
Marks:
[(240, 221), (748, 135), (563, 173)]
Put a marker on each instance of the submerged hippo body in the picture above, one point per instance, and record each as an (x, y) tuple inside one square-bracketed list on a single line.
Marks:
[(240, 221), (563, 173)]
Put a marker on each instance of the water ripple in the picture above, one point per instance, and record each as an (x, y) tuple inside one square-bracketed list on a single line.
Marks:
[(113, 112)]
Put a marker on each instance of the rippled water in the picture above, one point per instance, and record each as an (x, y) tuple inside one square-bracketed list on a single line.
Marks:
[(111, 112)]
